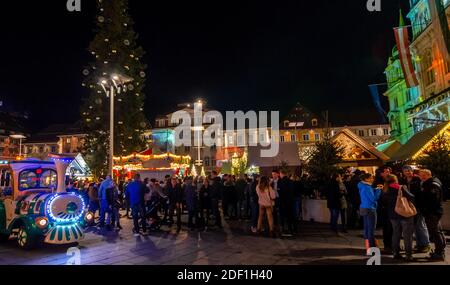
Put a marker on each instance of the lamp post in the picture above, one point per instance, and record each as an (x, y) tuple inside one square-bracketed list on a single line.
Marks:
[(20, 138), (113, 86)]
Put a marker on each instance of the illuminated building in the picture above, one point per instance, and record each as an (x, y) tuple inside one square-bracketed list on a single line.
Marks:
[(433, 70), (401, 98)]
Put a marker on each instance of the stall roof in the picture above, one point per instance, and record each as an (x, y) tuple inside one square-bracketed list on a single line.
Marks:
[(288, 153), (418, 142), (357, 148), (390, 147)]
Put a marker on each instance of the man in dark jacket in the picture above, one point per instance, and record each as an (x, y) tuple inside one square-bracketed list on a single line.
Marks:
[(241, 185), (191, 198), (216, 194), (287, 203), (175, 193), (413, 183), (134, 193), (432, 210)]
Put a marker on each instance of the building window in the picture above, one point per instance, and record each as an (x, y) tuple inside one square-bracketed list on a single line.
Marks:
[(262, 138), (207, 161), (68, 140), (213, 162), (281, 138), (293, 138), (53, 149), (386, 132), (408, 96), (373, 132), (361, 133), (41, 149), (187, 149), (306, 137), (240, 140), (317, 137), (286, 124), (429, 69), (314, 122), (230, 140)]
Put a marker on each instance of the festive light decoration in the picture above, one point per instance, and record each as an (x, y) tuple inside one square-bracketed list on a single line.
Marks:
[(203, 174), (193, 171), (445, 130), (153, 156), (73, 212)]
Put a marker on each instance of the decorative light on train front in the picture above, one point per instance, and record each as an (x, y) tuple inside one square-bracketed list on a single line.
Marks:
[(64, 160), (71, 208)]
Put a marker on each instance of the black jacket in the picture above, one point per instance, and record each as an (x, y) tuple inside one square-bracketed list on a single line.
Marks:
[(241, 184), (216, 189), (286, 190), (432, 197), (353, 192), (334, 196), (205, 197), (175, 194)]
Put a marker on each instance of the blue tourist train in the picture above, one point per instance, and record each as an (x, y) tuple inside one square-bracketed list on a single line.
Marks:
[(34, 205)]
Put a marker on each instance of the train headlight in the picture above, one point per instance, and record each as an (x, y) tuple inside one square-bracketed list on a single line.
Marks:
[(41, 223), (89, 217)]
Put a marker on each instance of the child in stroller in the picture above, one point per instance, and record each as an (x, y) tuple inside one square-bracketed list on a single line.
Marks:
[(153, 219), (156, 200)]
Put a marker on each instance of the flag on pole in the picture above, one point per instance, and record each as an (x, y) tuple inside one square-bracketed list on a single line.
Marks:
[(401, 37), (440, 24), (376, 100)]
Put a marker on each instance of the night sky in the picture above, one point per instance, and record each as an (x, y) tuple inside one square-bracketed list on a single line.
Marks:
[(238, 55)]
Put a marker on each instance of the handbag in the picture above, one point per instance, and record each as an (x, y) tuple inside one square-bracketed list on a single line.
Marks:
[(270, 197), (404, 207)]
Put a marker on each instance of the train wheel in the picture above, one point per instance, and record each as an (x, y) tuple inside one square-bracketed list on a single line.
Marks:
[(24, 240)]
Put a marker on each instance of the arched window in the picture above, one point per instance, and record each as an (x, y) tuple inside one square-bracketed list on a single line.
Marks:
[(314, 122)]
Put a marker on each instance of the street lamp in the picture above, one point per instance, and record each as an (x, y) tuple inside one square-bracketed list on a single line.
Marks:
[(20, 138), (112, 85)]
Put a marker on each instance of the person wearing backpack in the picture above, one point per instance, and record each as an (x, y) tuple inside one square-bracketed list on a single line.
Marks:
[(402, 225), (266, 197)]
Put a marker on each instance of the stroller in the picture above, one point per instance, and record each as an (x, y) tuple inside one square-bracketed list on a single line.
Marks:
[(152, 217)]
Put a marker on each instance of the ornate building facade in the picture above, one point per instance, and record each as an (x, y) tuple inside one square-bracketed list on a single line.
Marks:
[(413, 110)]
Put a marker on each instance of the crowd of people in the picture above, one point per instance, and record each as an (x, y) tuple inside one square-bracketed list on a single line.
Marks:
[(381, 201), (273, 205)]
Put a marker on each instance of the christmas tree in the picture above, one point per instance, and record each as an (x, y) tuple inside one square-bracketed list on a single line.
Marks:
[(115, 51)]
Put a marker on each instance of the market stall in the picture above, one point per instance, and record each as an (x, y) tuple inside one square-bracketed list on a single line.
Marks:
[(152, 165)]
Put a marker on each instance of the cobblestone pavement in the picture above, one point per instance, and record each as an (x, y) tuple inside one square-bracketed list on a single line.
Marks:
[(234, 245)]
